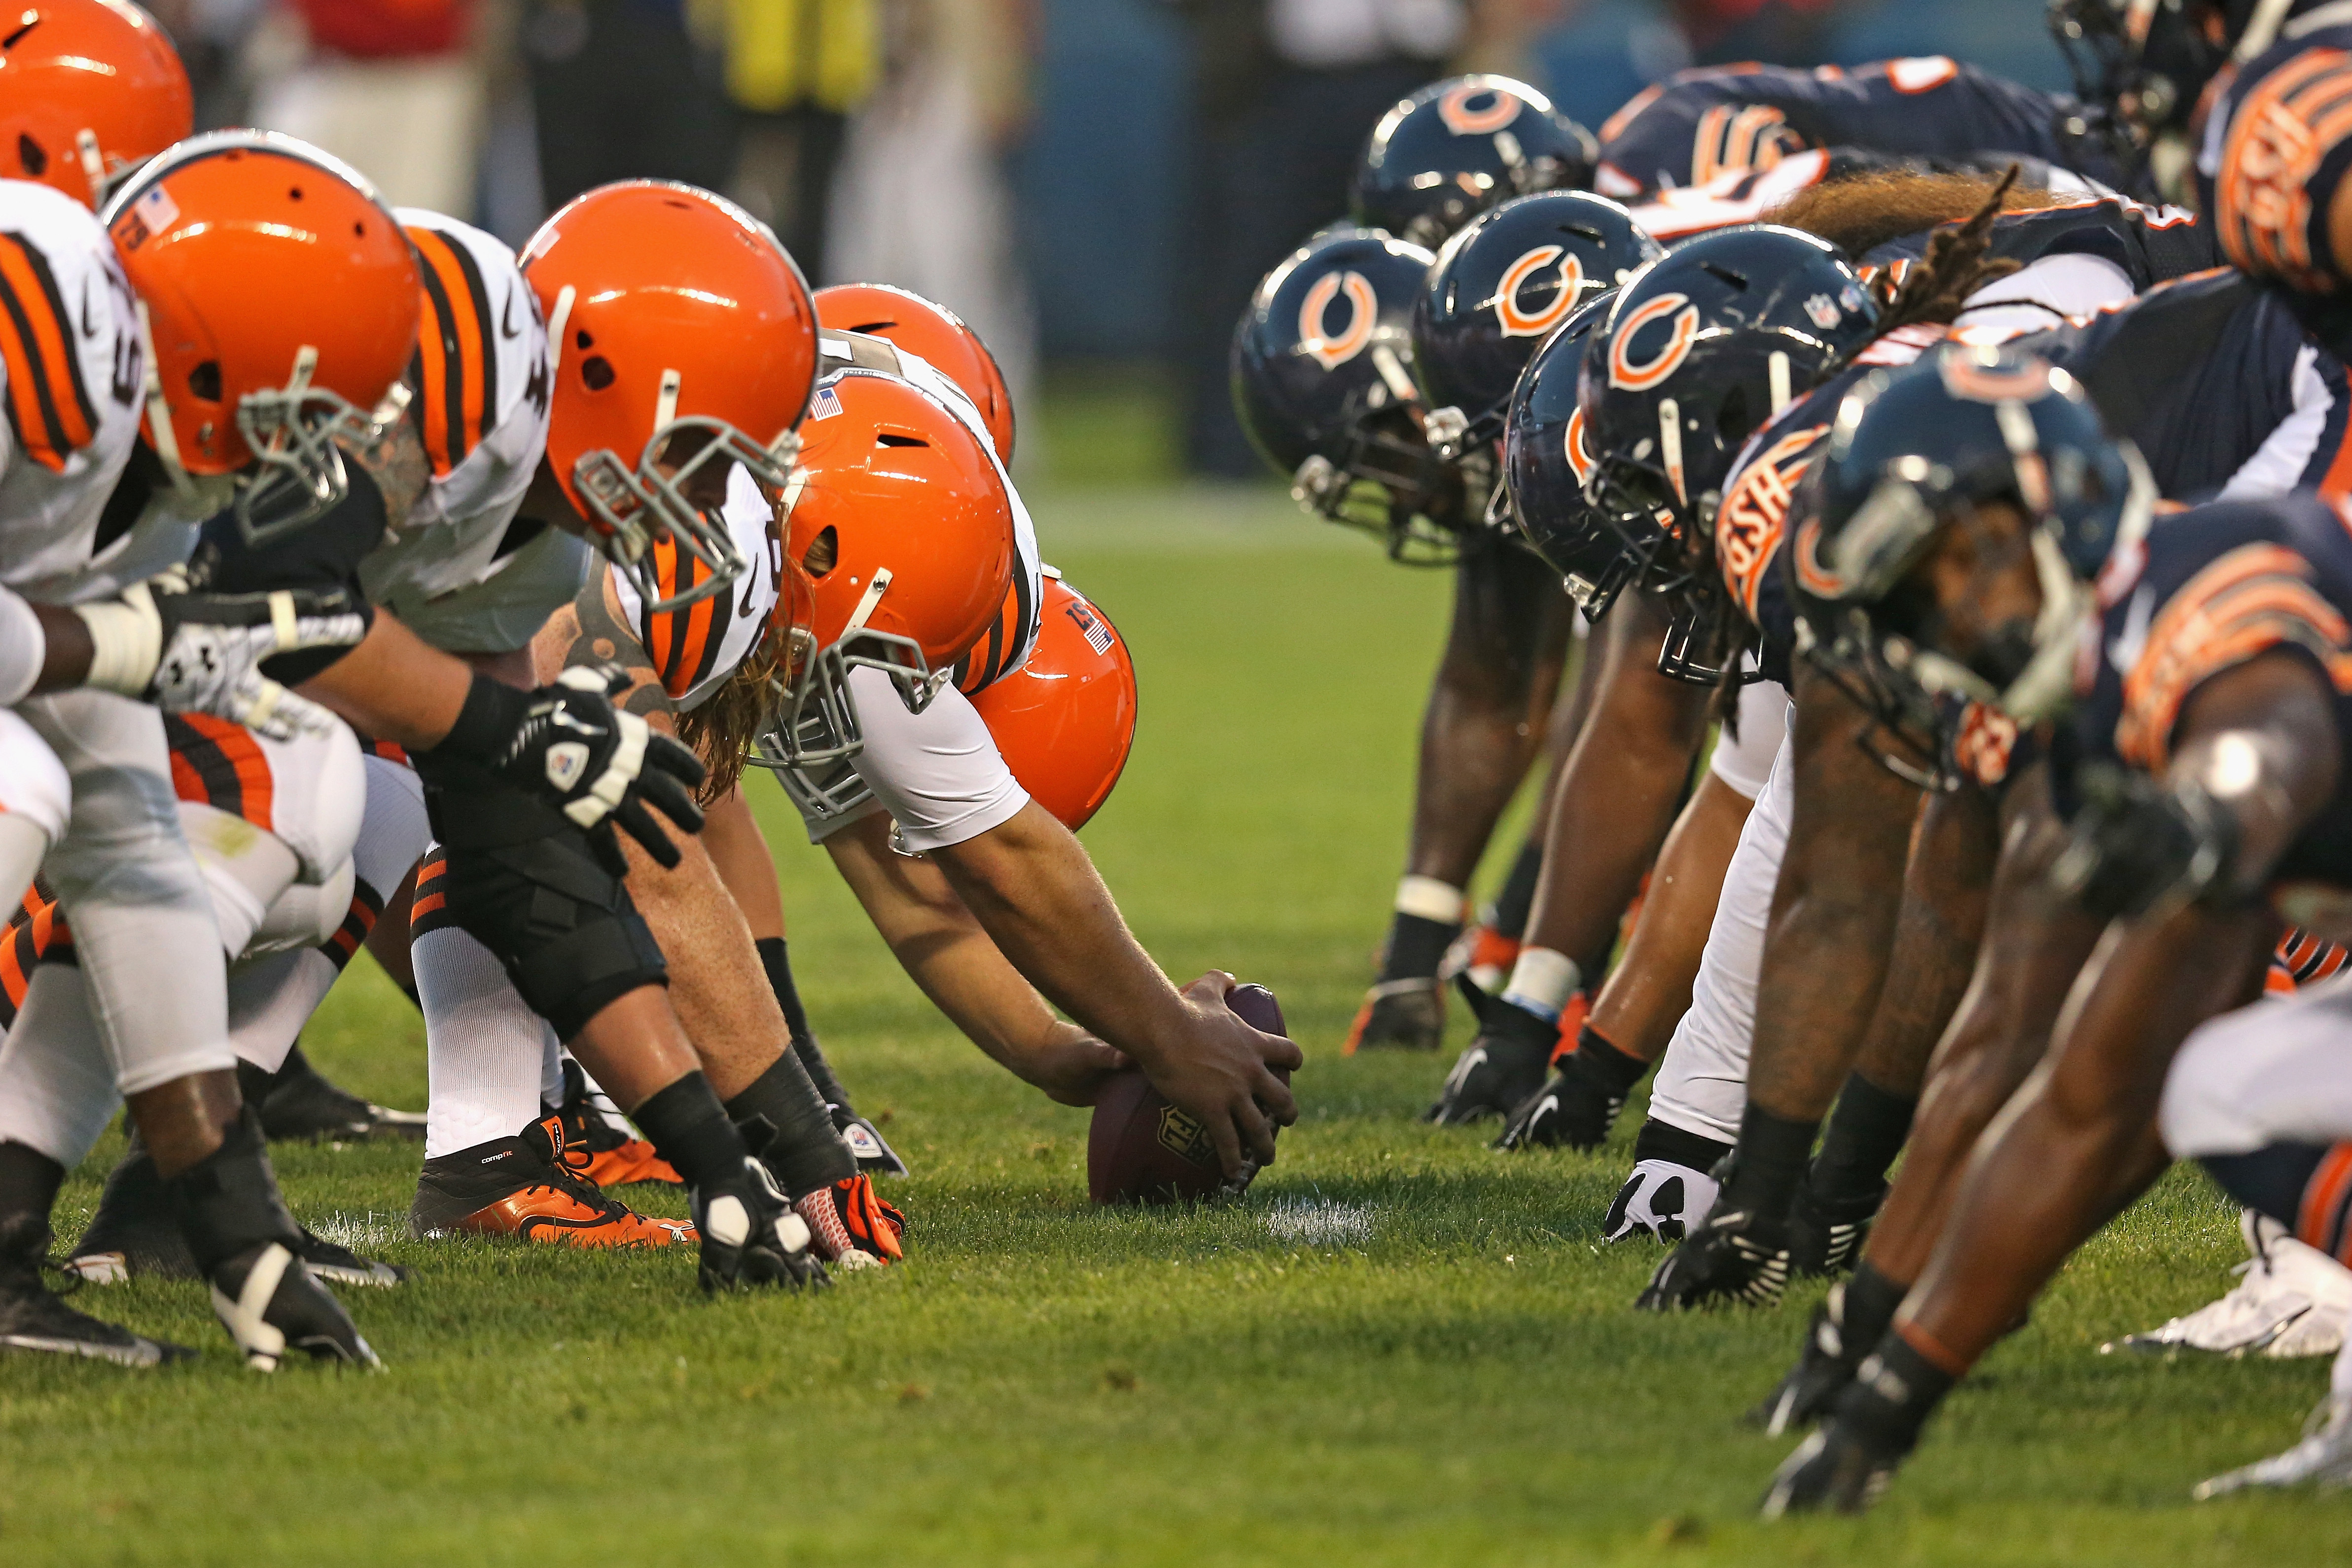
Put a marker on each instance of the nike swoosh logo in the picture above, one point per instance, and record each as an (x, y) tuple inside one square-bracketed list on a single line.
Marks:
[(743, 610), (505, 319)]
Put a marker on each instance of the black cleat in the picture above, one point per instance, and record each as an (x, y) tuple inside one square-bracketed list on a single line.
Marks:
[(1826, 1234), (303, 1106), (1499, 1069), (135, 1234), (1735, 1255), (1400, 1015), (1822, 1372), (873, 1154), (35, 1317)]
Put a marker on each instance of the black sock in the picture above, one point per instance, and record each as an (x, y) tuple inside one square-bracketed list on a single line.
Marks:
[(806, 1152), (228, 1202), (1867, 1305), (1657, 1141), (1866, 1130), (29, 1180), (1897, 1390), (1773, 1154), (690, 1128), (1604, 1066), (1415, 947), (773, 959), (1518, 899)]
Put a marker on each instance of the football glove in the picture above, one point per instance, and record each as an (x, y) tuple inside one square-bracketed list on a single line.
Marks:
[(750, 1235), (190, 652), (598, 763), (2135, 841)]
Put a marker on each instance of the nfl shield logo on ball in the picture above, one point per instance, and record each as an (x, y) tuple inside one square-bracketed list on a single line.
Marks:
[(1181, 1133)]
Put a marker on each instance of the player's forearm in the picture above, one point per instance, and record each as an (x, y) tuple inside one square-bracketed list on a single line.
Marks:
[(395, 687), (1037, 895), (1945, 890)]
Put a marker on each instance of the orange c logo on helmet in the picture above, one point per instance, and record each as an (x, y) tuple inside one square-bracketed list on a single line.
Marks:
[(1518, 323), (1624, 372), (1579, 449), (1811, 575), (1454, 109), (1363, 315)]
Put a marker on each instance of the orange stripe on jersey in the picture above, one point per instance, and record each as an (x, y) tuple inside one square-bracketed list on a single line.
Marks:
[(1614, 126), (2254, 599), (2323, 1200), (681, 642), (48, 407), (456, 355), (2279, 135), (219, 764)]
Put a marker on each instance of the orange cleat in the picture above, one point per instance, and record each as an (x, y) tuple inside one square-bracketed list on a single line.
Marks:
[(615, 1157), (533, 1187)]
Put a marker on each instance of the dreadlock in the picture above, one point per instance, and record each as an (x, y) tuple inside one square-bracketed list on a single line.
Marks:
[(1862, 212), (1956, 266)]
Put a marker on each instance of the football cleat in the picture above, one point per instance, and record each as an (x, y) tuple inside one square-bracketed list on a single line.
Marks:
[(270, 1303), (301, 1105), (750, 1235), (530, 1187), (1403, 1015), (616, 1157), (35, 1317), (2323, 1457), (1822, 1372), (1499, 1069), (2291, 1299), (1825, 1235), (1568, 1111), (1735, 1255), (135, 1233), (1484, 956), (1659, 1201), (1844, 1468), (875, 1229), (874, 1156)]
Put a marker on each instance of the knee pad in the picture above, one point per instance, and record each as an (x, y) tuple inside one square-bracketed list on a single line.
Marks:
[(559, 921)]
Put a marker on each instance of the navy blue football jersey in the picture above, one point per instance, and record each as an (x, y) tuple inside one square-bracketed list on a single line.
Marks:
[(2216, 381), (2212, 587), (1700, 125), (2275, 143)]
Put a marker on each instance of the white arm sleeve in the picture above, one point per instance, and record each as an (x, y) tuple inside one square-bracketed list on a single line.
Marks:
[(937, 771), (23, 649)]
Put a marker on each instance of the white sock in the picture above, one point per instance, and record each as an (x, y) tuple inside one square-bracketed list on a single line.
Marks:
[(484, 1048)]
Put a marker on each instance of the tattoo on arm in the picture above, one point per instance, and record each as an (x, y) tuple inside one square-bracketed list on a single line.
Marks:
[(395, 460), (594, 634)]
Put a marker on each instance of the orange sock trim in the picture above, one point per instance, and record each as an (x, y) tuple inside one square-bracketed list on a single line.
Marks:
[(1933, 1351)]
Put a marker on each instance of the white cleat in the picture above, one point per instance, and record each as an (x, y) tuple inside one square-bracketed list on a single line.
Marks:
[(2323, 1458), (2291, 1301)]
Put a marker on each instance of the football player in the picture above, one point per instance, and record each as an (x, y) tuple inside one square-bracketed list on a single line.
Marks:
[(2199, 768)]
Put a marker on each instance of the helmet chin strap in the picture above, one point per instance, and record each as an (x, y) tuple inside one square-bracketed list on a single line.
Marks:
[(1670, 444), (2043, 687), (160, 434), (555, 323), (93, 164)]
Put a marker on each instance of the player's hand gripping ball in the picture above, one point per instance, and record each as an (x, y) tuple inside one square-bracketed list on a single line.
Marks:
[(1141, 1148)]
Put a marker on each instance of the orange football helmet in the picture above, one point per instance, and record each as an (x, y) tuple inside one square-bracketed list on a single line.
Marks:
[(682, 335), (932, 333), (278, 300), (1064, 721), (905, 532), (89, 89)]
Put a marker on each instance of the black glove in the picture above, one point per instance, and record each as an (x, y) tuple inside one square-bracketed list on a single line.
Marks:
[(2135, 840), (567, 744), (200, 652), (750, 1235)]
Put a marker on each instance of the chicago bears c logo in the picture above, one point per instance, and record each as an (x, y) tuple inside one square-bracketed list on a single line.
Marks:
[(1638, 376), (1815, 577), (1518, 323), (1579, 449), (1463, 117), (1363, 314)]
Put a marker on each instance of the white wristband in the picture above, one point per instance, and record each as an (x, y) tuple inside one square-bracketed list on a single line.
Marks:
[(23, 649), (1431, 899), (1542, 981)]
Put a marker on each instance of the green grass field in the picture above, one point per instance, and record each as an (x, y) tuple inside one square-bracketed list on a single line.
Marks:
[(1401, 1348)]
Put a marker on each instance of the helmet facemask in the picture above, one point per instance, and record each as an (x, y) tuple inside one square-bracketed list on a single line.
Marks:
[(632, 506), (296, 434), (1387, 481)]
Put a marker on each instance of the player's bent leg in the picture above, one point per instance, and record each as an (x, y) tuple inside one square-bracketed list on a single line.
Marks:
[(36, 804), (33, 1316)]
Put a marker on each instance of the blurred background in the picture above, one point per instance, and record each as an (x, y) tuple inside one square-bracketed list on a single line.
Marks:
[(1094, 185)]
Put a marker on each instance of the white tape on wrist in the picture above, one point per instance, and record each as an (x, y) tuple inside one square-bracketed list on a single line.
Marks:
[(126, 643), (1542, 981), (1431, 899)]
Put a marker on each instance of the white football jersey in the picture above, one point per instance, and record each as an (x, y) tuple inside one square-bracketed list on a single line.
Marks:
[(71, 371), (461, 572)]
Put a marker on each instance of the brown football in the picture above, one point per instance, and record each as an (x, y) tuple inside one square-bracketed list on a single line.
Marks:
[(1142, 1149)]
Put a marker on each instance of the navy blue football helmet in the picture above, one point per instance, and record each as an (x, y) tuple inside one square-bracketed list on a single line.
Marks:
[(1459, 146), (1914, 452), (1546, 462), (1322, 379), (1500, 287), (1703, 347)]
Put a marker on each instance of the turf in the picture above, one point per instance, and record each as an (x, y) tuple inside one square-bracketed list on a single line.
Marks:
[(1403, 1348)]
